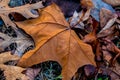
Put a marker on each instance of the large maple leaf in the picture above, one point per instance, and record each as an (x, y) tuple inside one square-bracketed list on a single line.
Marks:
[(55, 41)]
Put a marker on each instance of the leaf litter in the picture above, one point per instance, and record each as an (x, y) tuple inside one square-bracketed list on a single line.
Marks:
[(59, 42)]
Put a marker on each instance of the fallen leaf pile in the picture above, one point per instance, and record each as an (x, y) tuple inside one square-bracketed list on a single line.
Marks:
[(84, 40)]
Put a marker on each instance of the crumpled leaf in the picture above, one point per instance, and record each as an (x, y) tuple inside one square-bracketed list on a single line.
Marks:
[(98, 5), (7, 56), (13, 72), (91, 37), (113, 3), (25, 10), (78, 18), (23, 41), (75, 19), (111, 47), (55, 41)]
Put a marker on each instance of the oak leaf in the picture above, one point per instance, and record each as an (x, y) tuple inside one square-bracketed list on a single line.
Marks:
[(55, 41), (13, 72), (25, 10), (7, 56), (23, 42)]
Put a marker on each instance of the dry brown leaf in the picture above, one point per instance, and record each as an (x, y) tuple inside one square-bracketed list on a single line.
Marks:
[(13, 72), (91, 37), (55, 41), (113, 2), (107, 32), (109, 24), (111, 47), (106, 55), (105, 16), (6, 56), (25, 10)]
